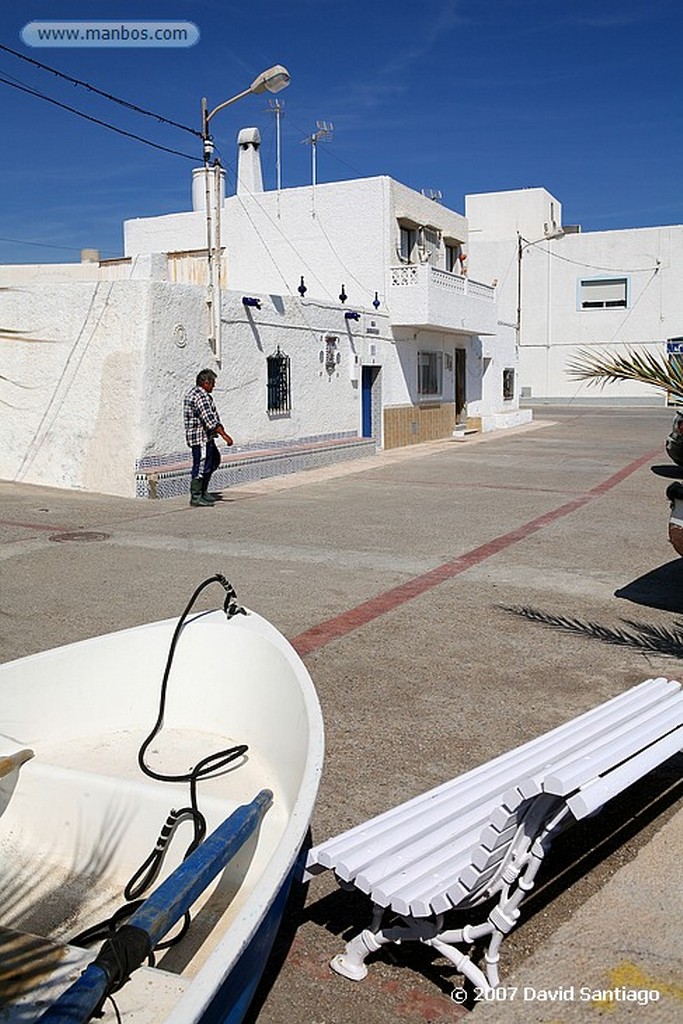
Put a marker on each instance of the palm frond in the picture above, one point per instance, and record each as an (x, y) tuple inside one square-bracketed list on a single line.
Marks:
[(643, 367)]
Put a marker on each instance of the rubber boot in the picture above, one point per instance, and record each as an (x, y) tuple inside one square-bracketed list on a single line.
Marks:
[(205, 492), (196, 496)]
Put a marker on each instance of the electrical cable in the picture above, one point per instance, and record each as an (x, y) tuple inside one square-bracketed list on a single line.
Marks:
[(579, 263), (99, 92), (94, 120)]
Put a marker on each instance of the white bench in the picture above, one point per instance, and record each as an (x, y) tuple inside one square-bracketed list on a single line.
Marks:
[(484, 834)]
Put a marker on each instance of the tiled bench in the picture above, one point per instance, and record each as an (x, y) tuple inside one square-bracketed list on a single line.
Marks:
[(170, 477), (484, 834)]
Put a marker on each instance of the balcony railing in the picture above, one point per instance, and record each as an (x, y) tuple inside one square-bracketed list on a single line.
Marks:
[(426, 296)]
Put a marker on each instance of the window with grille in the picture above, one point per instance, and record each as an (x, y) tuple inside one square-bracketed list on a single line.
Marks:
[(279, 389), (508, 383), (604, 293)]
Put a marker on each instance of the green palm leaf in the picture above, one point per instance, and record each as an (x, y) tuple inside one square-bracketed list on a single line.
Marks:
[(643, 367)]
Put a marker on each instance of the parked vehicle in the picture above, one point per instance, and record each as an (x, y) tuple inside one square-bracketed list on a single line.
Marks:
[(674, 493), (674, 442)]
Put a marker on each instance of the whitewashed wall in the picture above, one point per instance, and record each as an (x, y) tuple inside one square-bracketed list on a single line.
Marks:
[(553, 327), (336, 233), (322, 403), (97, 381), (69, 397)]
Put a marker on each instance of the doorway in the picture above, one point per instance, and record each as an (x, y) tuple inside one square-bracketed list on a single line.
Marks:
[(460, 385), (370, 402)]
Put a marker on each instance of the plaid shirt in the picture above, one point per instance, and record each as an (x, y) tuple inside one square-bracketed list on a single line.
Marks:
[(200, 415)]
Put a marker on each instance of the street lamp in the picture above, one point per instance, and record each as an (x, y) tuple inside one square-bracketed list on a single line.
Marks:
[(522, 244), (272, 80)]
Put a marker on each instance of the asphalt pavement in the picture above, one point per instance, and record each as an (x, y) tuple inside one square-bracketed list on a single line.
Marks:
[(450, 600)]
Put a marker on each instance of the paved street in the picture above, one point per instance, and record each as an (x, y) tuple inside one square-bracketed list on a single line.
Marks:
[(450, 602)]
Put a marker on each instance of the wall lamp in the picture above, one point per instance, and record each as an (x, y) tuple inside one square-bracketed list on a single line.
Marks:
[(247, 301), (350, 314)]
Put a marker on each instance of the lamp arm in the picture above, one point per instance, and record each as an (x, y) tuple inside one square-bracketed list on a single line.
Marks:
[(222, 106)]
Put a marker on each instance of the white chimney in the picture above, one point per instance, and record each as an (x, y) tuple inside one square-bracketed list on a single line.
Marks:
[(249, 177)]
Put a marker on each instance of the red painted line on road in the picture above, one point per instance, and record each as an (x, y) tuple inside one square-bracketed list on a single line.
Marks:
[(339, 626)]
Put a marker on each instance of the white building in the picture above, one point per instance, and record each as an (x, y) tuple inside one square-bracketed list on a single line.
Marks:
[(567, 291), (339, 317)]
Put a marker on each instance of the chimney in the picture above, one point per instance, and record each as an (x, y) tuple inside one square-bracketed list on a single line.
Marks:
[(249, 177)]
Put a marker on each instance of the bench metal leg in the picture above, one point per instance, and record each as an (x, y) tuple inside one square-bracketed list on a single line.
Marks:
[(516, 880)]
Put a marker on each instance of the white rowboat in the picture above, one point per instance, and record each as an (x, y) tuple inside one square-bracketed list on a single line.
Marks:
[(78, 816)]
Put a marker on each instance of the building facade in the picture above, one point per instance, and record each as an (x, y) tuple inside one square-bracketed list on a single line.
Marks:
[(336, 313), (564, 291)]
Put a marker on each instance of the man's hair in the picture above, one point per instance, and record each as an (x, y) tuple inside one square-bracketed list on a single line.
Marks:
[(205, 375)]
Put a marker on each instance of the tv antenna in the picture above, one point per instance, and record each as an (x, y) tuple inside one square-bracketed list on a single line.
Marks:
[(278, 108), (434, 194), (324, 132)]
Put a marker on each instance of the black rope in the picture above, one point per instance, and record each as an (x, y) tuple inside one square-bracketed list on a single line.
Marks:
[(208, 767)]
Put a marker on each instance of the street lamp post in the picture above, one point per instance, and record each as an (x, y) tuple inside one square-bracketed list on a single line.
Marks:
[(272, 80), (522, 245)]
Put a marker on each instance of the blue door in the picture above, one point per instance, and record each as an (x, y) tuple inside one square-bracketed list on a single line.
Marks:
[(366, 400)]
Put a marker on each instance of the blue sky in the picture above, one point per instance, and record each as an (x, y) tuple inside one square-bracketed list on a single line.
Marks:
[(583, 97)]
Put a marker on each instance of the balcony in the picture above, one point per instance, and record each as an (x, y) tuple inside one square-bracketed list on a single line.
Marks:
[(424, 296)]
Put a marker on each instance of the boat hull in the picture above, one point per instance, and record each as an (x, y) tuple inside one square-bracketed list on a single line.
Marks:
[(82, 808)]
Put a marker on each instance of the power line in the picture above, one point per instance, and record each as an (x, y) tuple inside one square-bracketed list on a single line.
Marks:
[(106, 95), (94, 120), (41, 245), (589, 266)]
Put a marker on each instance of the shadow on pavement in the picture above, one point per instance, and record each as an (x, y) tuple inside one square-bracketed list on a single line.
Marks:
[(661, 588), (640, 636), (670, 471)]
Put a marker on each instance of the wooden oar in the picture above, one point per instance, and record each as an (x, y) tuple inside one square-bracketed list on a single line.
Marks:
[(133, 942)]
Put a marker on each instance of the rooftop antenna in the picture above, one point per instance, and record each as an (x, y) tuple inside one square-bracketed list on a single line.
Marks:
[(324, 131), (277, 108), (434, 194)]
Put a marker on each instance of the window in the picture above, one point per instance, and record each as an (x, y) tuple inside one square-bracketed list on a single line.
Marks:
[(604, 293), (429, 374), (408, 237), (508, 384), (279, 396)]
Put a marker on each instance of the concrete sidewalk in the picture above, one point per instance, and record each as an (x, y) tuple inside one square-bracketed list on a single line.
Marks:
[(555, 589), (619, 954)]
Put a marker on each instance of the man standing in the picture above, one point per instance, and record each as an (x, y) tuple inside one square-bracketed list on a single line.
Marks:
[(202, 425)]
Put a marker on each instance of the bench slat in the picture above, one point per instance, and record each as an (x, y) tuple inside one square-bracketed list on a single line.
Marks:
[(420, 812), (597, 793), (405, 846), (602, 757)]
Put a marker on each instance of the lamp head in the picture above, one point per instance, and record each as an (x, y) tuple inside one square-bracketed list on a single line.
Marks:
[(272, 80)]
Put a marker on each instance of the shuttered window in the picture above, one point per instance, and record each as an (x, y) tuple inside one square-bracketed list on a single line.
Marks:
[(606, 293)]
